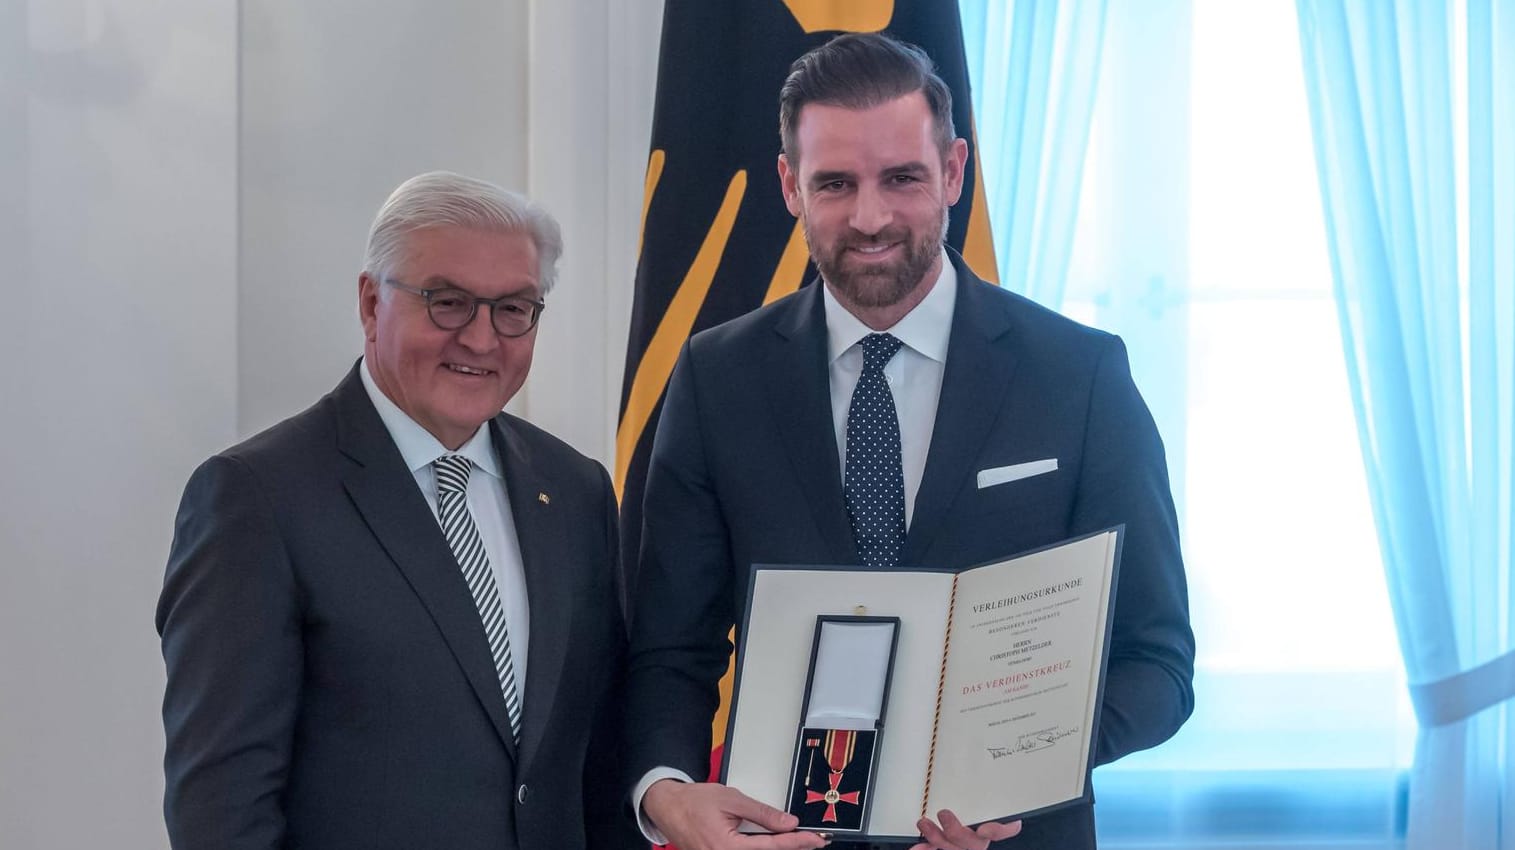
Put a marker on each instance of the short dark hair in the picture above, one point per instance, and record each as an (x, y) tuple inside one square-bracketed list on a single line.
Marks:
[(861, 71)]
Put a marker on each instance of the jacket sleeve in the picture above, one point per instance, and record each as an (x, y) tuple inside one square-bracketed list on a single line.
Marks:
[(609, 824), (231, 636), (682, 607), (1149, 689)]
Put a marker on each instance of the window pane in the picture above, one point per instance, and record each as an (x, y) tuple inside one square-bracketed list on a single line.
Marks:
[(1201, 240), (1256, 221), (1280, 539)]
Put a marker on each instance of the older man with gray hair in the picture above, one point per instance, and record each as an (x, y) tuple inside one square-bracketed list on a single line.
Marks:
[(392, 620)]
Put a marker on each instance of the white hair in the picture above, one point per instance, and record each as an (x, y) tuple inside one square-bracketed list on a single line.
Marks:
[(445, 199)]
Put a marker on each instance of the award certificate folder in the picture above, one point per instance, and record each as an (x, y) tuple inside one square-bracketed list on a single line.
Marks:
[(992, 696)]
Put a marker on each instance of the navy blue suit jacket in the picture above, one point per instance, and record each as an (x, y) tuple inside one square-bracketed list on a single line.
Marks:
[(329, 681), (744, 470)]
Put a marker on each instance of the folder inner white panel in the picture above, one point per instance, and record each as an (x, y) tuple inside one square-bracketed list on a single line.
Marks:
[(851, 669)]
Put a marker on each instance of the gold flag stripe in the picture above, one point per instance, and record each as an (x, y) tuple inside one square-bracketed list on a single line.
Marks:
[(841, 15), (654, 174), (978, 242), (791, 268), (728, 681), (656, 365)]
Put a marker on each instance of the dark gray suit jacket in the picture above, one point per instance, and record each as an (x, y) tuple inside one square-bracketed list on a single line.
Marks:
[(744, 470), (329, 681)]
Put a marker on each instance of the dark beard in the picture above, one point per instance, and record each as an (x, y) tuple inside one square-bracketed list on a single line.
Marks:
[(878, 286)]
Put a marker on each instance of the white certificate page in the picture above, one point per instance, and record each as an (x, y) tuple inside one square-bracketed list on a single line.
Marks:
[(1022, 679)]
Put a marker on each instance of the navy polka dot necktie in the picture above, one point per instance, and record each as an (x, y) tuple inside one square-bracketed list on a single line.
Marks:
[(874, 482)]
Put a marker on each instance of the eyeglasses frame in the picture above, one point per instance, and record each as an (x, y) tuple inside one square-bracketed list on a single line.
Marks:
[(427, 294)]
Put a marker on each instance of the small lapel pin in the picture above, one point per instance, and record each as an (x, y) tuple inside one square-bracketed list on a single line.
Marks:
[(542, 497)]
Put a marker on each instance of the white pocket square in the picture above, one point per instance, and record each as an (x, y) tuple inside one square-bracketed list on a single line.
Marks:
[(1015, 472)]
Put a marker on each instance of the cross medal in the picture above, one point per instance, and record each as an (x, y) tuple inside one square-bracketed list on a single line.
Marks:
[(840, 744)]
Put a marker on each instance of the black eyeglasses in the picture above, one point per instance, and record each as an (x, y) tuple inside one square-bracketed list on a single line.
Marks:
[(451, 308)]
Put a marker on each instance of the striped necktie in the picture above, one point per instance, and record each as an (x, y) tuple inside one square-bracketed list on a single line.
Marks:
[(874, 480), (463, 537)]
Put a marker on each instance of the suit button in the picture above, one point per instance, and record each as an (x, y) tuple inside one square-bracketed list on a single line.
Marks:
[(522, 793)]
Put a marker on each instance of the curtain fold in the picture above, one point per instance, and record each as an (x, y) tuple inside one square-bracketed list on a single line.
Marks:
[(1034, 68), (1424, 272)]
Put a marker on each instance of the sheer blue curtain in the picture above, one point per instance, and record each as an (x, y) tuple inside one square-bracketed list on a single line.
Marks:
[(1199, 240), (1424, 265), (1033, 66)]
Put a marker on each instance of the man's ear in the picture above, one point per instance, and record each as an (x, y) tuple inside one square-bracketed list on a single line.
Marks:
[(789, 181), (368, 305), (954, 162)]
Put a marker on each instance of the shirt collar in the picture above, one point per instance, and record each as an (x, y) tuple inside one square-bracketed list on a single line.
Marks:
[(926, 329), (416, 444)]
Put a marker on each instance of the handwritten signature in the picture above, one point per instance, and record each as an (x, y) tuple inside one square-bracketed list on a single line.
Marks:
[(1033, 741)]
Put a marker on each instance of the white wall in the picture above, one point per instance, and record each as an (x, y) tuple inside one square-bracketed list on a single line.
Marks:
[(118, 160), (341, 100), (188, 184), (594, 68)]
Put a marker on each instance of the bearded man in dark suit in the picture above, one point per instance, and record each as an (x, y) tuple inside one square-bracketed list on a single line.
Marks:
[(1016, 429)]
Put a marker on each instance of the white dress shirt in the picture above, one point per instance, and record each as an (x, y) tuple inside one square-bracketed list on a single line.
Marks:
[(914, 373), (487, 502), (915, 379)]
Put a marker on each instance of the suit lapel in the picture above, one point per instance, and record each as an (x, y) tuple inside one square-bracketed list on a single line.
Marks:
[(385, 493), (538, 525), (799, 396), (975, 386)]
